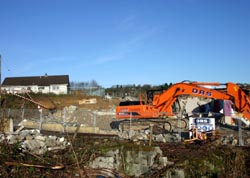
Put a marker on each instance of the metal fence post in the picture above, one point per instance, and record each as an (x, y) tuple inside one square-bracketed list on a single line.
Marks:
[(64, 119), (179, 128), (23, 114), (151, 134), (94, 121), (11, 125), (41, 119), (130, 126), (240, 133), (9, 112), (179, 125)]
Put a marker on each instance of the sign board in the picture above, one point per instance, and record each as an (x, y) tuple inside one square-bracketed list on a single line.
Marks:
[(202, 124)]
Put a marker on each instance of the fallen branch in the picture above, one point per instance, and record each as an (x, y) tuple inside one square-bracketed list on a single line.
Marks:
[(81, 172), (60, 166)]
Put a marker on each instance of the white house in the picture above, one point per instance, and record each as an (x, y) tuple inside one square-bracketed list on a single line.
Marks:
[(58, 84)]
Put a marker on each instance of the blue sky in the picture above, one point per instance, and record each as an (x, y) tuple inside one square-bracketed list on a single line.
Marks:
[(127, 41)]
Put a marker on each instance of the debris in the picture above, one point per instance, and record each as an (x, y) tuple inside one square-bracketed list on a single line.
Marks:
[(136, 161), (33, 142), (88, 101), (60, 166)]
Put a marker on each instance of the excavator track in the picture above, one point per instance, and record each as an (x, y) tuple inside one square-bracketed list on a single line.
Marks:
[(158, 125)]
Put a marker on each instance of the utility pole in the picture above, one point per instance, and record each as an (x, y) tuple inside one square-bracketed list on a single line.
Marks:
[(0, 77)]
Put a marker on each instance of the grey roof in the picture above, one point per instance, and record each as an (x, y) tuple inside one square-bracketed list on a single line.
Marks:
[(45, 80)]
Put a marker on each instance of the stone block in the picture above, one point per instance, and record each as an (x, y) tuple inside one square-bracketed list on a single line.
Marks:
[(50, 141), (31, 145), (40, 137), (29, 137), (163, 161), (11, 139), (103, 162)]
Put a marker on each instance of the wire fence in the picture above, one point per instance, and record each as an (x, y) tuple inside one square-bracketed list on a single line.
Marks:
[(69, 116), (91, 91), (73, 117)]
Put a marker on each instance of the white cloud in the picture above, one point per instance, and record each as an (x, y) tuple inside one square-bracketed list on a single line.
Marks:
[(127, 23), (107, 59), (125, 47), (55, 59)]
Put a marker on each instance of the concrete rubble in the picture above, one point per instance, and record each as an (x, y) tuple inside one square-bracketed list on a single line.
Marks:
[(145, 136), (141, 136), (73, 116), (34, 142), (134, 161), (60, 127)]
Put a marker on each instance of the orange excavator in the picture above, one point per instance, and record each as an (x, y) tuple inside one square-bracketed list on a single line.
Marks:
[(160, 105)]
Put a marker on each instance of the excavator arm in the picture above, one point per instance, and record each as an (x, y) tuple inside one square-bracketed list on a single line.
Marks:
[(240, 99), (165, 101), (232, 92)]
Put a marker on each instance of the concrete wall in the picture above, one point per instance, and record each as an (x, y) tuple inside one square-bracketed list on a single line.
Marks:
[(59, 127)]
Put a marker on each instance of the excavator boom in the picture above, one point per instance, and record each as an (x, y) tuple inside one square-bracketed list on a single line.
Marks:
[(165, 101), (240, 99)]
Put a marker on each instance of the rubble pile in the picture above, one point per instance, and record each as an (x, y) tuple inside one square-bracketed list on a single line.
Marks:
[(134, 160), (34, 142), (67, 114), (145, 136), (75, 116)]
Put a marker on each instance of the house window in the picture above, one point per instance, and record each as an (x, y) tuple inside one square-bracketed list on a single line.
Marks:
[(55, 87), (40, 88)]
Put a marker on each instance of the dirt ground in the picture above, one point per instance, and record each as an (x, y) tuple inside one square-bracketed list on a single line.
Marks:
[(60, 102)]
